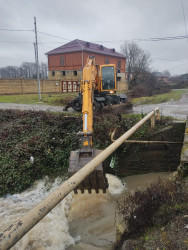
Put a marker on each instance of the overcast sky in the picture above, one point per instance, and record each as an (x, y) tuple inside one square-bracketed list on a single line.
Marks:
[(107, 22)]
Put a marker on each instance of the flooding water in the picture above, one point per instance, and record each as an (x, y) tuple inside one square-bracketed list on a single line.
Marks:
[(83, 221)]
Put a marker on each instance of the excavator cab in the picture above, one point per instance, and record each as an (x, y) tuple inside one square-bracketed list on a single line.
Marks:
[(108, 78), (105, 81)]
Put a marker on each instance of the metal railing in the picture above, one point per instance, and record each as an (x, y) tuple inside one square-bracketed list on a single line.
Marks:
[(17, 230)]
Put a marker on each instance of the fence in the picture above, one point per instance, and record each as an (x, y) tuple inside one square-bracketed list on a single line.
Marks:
[(30, 86)]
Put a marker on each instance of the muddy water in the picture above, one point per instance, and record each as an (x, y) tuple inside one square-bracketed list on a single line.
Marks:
[(81, 221)]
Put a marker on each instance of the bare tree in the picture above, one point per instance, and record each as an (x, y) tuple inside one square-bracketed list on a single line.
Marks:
[(43, 71), (166, 73), (137, 61), (26, 70)]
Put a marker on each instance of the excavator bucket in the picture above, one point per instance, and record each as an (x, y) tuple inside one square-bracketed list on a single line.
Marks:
[(96, 180)]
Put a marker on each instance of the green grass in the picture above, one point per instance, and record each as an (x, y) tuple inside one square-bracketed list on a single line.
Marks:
[(172, 95), (54, 99)]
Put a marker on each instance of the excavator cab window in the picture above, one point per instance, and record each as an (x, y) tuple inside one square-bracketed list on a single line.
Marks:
[(108, 78)]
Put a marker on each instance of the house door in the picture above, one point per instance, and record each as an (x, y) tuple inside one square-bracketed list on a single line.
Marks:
[(64, 87)]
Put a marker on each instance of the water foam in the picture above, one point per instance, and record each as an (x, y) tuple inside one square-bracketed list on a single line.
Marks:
[(52, 232), (95, 211), (116, 186)]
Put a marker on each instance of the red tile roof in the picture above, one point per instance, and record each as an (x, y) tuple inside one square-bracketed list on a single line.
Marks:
[(79, 45)]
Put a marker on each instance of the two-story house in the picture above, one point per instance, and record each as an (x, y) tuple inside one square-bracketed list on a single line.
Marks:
[(67, 61)]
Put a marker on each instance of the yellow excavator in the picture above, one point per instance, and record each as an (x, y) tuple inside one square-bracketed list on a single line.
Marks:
[(98, 82)]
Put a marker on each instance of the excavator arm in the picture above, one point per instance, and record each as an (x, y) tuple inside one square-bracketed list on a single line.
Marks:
[(87, 90), (92, 81)]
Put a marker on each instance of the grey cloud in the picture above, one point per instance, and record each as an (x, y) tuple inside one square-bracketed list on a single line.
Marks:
[(95, 20)]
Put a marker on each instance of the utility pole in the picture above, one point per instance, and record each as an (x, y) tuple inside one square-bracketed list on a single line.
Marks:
[(37, 58)]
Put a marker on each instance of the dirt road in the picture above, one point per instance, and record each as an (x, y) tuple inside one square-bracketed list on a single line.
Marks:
[(177, 109), (36, 107)]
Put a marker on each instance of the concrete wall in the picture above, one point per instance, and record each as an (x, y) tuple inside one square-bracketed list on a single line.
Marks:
[(184, 153), (122, 84), (30, 86), (26, 86)]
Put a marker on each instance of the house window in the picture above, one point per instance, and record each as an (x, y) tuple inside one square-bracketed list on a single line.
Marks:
[(75, 73), (63, 73), (119, 64), (53, 73), (106, 61), (62, 61)]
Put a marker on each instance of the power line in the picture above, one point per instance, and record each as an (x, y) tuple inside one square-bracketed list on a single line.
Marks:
[(15, 30), (170, 60), (8, 58), (154, 39), (53, 36), (13, 42), (51, 42)]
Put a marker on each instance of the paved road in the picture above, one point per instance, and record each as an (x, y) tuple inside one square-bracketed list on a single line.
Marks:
[(177, 109), (37, 107)]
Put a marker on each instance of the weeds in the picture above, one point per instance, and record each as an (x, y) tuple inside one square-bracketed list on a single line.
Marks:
[(46, 137), (47, 99), (172, 95), (153, 207), (49, 138)]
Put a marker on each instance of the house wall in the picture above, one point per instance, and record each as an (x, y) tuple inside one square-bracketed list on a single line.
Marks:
[(100, 59), (69, 75), (75, 62), (72, 61), (28, 86)]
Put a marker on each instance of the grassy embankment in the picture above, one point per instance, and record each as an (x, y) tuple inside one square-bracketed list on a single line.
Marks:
[(172, 95), (53, 99), (64, 98), (49, 138), (156, 218)]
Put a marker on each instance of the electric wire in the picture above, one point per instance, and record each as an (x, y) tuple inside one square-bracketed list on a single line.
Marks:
[(15, 30), (54, 36), (170, 60), (184, 18), (154, 39), (13, 42)]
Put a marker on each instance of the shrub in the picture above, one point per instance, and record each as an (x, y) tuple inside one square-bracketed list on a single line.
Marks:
[(154, 206)]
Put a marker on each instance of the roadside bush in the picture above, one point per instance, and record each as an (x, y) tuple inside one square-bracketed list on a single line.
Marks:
[(46, 137), (145, 90), (49, 138)]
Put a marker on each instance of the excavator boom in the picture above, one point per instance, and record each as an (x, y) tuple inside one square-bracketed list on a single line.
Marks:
[(92, 82)]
